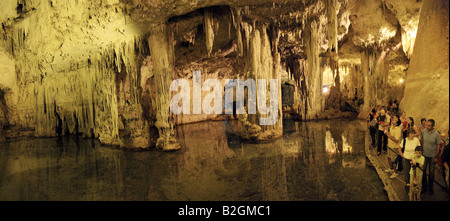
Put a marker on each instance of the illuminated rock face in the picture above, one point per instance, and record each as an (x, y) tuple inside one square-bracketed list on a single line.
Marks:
[(427, 82), (103, 68), (66, 58)]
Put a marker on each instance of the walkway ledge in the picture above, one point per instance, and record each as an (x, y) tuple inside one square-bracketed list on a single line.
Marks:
[(375, 160), (395, 188)]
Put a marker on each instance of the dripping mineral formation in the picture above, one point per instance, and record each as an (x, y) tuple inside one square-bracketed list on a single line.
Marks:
[(103, 69)]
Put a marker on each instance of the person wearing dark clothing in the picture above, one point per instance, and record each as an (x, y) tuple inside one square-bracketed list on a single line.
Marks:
[(389, 107), (445, 157), (430, 142), (395, 107), (372, 126), (383, 123)]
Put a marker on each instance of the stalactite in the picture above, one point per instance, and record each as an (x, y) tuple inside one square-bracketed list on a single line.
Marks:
[(332, 35), (237, 20), (73, 99), (332, 32), (247, 28), (209, 29), (409, 37)]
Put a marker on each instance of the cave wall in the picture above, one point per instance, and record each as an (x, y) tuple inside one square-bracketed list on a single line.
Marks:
[(427, 80)]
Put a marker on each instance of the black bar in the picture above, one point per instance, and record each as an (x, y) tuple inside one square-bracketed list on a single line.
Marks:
[(168, 210)]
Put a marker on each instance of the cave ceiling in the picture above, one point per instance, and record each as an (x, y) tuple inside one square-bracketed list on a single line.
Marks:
[(377, 24)]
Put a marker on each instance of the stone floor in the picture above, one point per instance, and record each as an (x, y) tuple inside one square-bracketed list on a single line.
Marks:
[(395, 187)]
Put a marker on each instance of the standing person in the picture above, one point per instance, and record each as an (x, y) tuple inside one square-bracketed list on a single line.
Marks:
[(388, 118), (389, 107), (410, 124), (430, 142), (395, 136), (416, 174), (403, 119), (408, 145), (445, 157), (372, 119), (395, 107), (382, 138), (423, 125), (387, 126), (404, 128), (404, 124), (440, 163)]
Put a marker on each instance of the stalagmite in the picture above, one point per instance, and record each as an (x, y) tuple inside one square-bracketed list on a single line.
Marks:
[(161, 51)]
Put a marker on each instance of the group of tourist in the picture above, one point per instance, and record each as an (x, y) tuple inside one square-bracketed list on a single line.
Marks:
[(411, 149)]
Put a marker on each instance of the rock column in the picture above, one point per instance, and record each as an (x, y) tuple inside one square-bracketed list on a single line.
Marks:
[(314, 77), (260, 65), (366, 77), (161, 50)]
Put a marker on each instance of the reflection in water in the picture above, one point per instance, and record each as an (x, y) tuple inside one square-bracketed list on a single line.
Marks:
[(313, 161)]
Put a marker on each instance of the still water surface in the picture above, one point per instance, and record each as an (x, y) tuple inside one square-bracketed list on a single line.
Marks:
[(313, 161)]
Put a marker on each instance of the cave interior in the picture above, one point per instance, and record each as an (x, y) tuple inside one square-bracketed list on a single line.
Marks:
[(104, 68)]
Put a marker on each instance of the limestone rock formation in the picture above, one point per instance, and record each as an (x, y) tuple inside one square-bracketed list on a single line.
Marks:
[(427, 81)]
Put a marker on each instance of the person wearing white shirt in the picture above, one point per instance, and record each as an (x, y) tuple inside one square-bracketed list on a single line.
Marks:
[(410, 143)]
